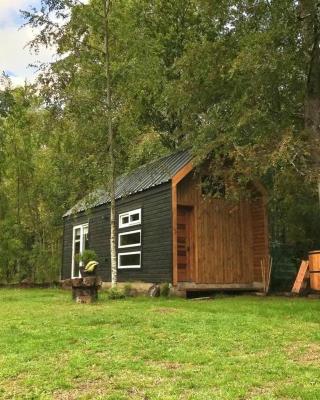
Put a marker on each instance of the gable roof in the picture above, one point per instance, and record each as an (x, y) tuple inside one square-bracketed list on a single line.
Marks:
[(145, 177)]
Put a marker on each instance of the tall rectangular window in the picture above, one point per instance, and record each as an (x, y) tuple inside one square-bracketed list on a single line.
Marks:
[(130, 240), (80, 242)]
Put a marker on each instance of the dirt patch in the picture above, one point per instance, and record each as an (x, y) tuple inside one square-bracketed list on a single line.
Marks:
[(135, 393), (258, 391), (165, 310), (12, 388), (305, 353), (85, 390), (167, 365)]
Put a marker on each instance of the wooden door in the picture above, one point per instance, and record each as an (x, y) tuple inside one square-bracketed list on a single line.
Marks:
[(184, 243)]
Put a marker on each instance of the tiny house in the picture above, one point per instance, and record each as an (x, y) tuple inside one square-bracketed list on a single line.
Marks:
[(170, 230)]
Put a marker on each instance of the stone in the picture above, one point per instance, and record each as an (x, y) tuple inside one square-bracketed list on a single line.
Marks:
[(154, 291)]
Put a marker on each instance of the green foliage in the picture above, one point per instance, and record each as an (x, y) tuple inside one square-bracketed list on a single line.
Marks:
[(86, 256), (228, 79), (165, 289), (127, 290), (115, 294)]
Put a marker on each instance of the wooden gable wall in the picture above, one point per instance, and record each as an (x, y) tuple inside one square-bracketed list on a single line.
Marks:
[(230, 239)]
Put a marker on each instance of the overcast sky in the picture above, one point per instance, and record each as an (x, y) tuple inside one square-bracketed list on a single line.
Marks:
[(14, 58)]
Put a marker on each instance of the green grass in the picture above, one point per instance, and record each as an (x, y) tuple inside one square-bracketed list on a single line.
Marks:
[(227, 348)]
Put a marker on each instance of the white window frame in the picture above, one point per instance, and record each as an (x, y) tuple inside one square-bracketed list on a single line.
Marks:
[(128, 245), (81, 227), (128, 214), (129, 266)]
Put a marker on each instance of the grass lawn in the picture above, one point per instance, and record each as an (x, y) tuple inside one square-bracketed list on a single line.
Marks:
[(228, 348)]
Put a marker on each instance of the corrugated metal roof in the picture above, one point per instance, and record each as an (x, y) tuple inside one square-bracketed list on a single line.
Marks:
[(145, 177)]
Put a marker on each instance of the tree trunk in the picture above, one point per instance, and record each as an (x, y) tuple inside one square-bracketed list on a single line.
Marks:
[(111, 188), (310, 15)]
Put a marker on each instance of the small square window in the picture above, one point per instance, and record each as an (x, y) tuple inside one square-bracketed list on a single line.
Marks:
[(135, 217)]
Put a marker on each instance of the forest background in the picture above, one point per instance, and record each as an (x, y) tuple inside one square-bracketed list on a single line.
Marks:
[(236, 82)]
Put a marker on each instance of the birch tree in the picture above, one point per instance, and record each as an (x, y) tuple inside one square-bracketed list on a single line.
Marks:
[(111, 186)]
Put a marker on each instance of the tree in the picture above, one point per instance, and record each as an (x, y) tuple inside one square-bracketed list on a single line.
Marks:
[(310, 17), (89, 88), (228, 79), (111, 186)]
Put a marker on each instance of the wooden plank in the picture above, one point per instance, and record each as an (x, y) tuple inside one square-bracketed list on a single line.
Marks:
[(174, 234), (300, 277), (182, 173), (219, 286)]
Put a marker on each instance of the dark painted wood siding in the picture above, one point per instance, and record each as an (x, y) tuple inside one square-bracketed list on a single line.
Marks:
[(156, 236)]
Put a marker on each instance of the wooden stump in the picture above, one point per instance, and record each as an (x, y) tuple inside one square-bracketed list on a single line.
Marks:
[(85, 290)]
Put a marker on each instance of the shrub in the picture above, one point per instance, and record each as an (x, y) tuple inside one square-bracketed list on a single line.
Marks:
[(86, 256), (115, 294), (165, 290), (127, 290)]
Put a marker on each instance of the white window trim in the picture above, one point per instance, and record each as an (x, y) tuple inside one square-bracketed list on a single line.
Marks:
[(128, 245), (82, 226), (128, 213), (129, 266)]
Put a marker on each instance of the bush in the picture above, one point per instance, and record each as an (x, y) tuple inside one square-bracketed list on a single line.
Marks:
[(86, 256), (165, 290), (115, 294), (127, 290)]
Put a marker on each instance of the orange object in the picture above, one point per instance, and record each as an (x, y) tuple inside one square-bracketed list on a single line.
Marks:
[(300, 277), (314, 268)]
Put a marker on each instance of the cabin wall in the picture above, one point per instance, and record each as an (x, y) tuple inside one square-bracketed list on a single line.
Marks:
[(98, 226), (226, 251), (260, 243), (156, 237)]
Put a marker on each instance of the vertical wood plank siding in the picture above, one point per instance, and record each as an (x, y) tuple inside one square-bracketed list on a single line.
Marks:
[(156, 238), (231, 238), (260, 235)]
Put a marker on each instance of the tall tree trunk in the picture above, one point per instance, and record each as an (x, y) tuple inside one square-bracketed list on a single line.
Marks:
[(310, 15), (111, 188)]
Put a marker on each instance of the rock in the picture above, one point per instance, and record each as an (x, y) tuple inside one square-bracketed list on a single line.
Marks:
[(27, 282), (154, 291)]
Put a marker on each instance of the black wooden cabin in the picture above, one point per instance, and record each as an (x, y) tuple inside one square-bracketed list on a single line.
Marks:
[(167, 231)]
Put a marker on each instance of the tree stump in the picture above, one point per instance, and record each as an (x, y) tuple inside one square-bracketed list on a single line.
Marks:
[(85, 290)]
